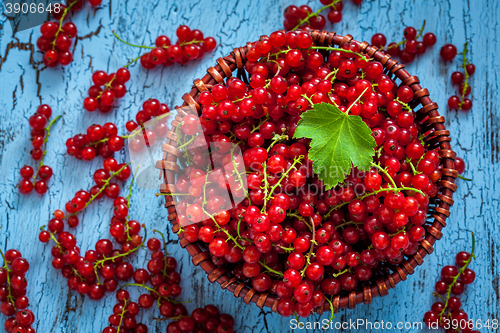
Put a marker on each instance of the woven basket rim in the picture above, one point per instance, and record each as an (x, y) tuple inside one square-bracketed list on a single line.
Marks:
[(432, 121)]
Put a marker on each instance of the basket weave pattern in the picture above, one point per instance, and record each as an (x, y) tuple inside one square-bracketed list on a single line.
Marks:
[(428, 115)]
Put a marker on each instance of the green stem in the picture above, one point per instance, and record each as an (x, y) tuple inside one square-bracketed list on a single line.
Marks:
[(341, 272), (99, 263), (466, 179), (165, 265), (421, 31), (347, 223), (130, 44), (142, 286), (263, 264), (357, 100), (464, 66), (403, 104), (233, 160), (102, 189), (187, 143), (129, 195), (122, 314), (331, 314), (106, 139), (45, 141), (229, 236), (332, 74), (306, 19), (415, 171), (311, 249), (132, 61), (307, 99), (266, 187), (191, 42), (66, 10), (256, 128), (384, 171), (462, 269), (283, 176), (9, 288), (331, 48)]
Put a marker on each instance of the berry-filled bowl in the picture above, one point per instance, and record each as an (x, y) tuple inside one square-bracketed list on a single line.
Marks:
[(308, 172)]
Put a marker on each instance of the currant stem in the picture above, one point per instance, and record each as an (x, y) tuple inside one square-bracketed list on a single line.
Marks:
[(165, 265), (191, 42), (466, 179), (357, 100), (306, 19), (347, 223), (311, 249), (464, 66), (384, 171), (332, 74), (415, 172), (100, 263), (106, 139), (45, 141), (331, 48), (403, 104), (266, 187), (283, 176), (341, 272), (307, 99), (132, 61), (229, 236), (235, 167), (124, 310), (9, 288), (140, 285), (266, 118), (263, 264), (102, 189), (331, 314), (187, 143), (130, 44), (129, 195), (66, 10), (421, 31), (462, 269)]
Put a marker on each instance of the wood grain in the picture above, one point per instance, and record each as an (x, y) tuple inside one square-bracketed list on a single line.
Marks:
[(25, 83)]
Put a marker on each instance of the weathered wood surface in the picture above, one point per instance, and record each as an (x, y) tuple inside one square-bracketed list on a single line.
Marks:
[(24, 84)]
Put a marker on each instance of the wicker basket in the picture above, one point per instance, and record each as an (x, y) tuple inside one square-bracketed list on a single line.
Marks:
[(427, 115)]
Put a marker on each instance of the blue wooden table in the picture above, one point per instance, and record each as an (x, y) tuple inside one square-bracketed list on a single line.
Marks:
[(25, 83)]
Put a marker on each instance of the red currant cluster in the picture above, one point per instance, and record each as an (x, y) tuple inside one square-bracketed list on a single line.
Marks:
[(13, 285), (102, 140), (191, 45), (150, 109), (305, 19), (40, 127), (84, 271), (449, 313), (289, 236), (142, 135), (161, 283), (103, 186), (56, 37), (106, 89), (409, 47), (462, 80)]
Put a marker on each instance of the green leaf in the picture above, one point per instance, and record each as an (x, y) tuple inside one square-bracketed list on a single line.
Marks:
[(338, 142)]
